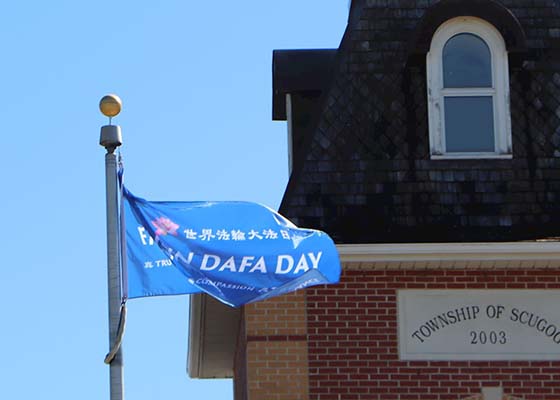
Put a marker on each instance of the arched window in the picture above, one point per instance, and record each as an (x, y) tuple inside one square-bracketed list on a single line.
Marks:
[(468, 91)]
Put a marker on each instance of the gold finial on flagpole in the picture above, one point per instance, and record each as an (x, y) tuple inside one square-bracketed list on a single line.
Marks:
[(110, 106)]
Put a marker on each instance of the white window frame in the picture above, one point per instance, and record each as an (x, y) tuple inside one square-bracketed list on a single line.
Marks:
[(499, 90)]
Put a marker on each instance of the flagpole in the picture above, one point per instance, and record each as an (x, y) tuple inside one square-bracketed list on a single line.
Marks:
[(111, 138)]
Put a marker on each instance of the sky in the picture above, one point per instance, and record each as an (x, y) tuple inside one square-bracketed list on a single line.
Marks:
[(195, 80)]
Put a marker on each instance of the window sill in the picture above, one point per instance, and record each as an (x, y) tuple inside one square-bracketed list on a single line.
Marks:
[(474, 156)]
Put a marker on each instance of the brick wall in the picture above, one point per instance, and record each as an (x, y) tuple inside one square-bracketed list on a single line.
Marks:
[(353, 348), (275, 346)]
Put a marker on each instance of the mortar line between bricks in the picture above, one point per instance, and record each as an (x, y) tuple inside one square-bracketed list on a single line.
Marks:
[(276, 338)]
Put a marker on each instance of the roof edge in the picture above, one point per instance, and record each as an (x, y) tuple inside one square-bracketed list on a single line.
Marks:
[(299, 162)]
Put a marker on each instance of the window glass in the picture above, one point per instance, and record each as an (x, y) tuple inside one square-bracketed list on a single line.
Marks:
[(466, 62), (469, 124)]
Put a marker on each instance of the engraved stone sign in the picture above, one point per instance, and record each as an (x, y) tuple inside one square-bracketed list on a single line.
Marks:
[(479, 324)]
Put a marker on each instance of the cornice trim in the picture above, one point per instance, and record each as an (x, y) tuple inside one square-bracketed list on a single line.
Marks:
[(451, 255)]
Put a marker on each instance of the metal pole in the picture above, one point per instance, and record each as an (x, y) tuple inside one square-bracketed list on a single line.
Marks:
[(113, 274), (111, 139)]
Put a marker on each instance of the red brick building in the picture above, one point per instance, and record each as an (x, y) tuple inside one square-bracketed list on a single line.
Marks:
[(427, 146)]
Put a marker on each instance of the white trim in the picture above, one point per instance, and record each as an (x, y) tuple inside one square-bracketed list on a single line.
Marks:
[(289, 117), (213, 329), (544, 254), (499, 90)]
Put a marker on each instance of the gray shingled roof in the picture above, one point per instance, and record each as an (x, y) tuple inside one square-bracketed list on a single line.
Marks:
[(366, 174)]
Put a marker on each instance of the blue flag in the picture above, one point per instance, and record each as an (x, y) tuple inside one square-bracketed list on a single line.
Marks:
[(237, 252)]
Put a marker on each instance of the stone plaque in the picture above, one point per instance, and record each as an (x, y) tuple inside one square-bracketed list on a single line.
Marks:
[(479, 324)]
